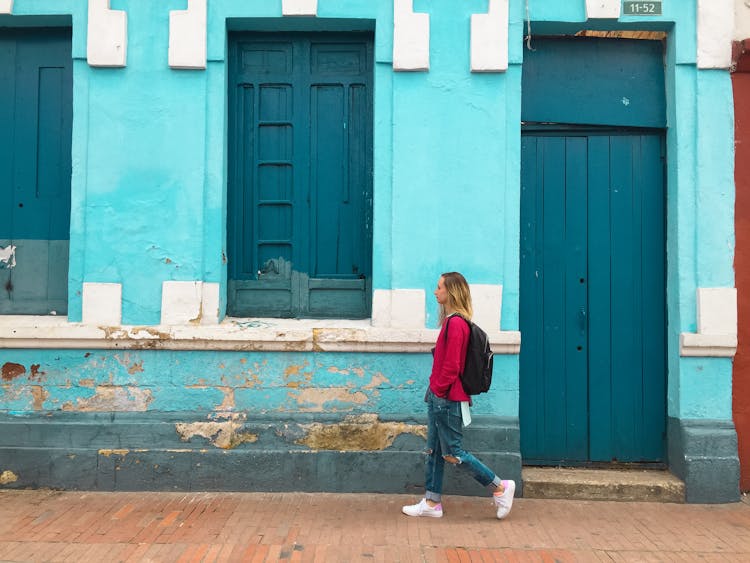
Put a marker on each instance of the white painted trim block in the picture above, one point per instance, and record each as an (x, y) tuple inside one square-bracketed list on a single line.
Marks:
[(107, 41), (381, 308), (715, 31), (181, 302), (187, 36), (708, 345), (6, 6), (411, 37), (741, 20), (399, 308), (489, 38), (717, 324), (102, 304), (717, 310), (299, 7), (408, 308), (488, 302), (210, 304), (603, 9), (268, 335)]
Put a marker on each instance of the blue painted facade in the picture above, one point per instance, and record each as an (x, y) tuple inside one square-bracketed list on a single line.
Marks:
[(149, 205)]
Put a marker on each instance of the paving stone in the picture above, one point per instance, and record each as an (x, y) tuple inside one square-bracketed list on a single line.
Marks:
[(39, 525)]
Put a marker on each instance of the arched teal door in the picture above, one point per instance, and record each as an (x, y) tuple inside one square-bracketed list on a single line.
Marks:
[(592, 320)]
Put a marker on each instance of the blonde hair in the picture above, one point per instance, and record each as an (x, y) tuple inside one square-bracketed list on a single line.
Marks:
[(459, 296)]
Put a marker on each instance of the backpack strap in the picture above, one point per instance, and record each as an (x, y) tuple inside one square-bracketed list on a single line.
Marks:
[(445, 340), (447, 322)]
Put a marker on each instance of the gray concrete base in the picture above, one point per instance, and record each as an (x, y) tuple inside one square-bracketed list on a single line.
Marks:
[(602, 484), (703, 453), (194, 452)]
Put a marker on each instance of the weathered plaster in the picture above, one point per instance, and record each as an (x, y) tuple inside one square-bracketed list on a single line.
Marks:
[(8, 477), (357, 433), (11, 370), (188, 36), (231, 334), (228, 403), (330, 399), (39, 396), (222, 435), (107, 35), (133, 366), (489, 38), (110, 452), (111, 398)]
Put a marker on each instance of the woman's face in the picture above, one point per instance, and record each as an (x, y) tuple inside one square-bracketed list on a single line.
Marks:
[(441, 294)]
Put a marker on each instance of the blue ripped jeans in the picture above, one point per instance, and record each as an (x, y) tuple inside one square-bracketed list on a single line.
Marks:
[(445, 438)]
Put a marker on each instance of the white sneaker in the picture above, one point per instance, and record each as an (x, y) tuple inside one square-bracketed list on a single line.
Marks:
[(423, 509), (504, 502)]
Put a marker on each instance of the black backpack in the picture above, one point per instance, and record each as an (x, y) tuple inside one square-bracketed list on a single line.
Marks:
[(477, 375)]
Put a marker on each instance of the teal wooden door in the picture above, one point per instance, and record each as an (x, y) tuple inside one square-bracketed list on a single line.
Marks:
[(300, 189), (36, 112), (592, 320)]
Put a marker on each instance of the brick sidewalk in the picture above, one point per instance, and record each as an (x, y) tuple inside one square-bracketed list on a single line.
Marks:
[(78, 526)]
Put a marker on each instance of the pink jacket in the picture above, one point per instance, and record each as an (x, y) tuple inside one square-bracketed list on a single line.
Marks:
[(448, 360)]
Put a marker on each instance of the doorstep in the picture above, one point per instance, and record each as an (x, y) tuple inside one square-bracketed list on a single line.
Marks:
[(602, 484)]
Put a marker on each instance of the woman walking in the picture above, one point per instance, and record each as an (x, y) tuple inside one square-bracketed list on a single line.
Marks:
[(444, 397)]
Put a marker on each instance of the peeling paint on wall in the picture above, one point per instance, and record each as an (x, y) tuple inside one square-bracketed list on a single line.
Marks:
[(35, 373), (148, 334), (39, 395), (223, 435), (107, 453), (228, 403), (107, 398), (8, 256), (10, 371), (8, 477), (319, 400), (377, 380), (358, 433), (132, 366)]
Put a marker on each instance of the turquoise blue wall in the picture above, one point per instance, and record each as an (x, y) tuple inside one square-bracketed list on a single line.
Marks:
[(250, 383), (149, 170)]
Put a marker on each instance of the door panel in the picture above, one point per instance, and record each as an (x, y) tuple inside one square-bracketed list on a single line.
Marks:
[(300, 233), (553, 241), (592, 298), (36, 89)]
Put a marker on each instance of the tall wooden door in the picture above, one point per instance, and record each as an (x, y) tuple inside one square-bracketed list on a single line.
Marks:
[(36, 112), (592, 320), (300, 190)]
